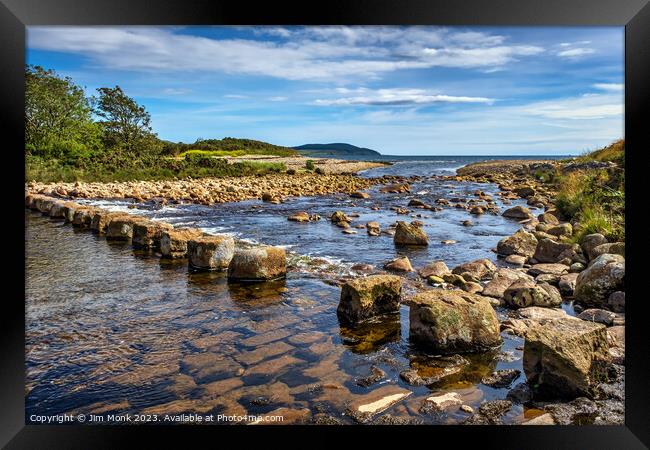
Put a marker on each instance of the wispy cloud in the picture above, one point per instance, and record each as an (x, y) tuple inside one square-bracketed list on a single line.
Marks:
[(576, 52), (311, 53), (609, 86), (585, 107), (396, 96)]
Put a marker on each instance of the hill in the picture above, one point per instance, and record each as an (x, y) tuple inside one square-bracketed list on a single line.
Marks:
[(228, 147), (335, 150)]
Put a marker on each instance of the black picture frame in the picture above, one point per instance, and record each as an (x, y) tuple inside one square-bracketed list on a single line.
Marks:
[(634, 15)]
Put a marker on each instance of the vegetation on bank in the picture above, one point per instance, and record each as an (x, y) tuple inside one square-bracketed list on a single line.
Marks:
[(108, 137), (593, 197)]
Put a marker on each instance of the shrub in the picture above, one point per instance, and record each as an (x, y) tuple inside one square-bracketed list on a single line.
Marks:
[(291, 171), (309, 165), (319, 171)]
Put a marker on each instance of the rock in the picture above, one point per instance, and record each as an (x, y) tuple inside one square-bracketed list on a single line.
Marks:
[(524, 293), (544, 419), (173, 243), (591, 241), (518, 212), (121, 228), (549, 278), (435, 280), (501, 378), (57, 210), (359, 194), (616, 302), (269, 197), (489, 413), (564, 229), (520, 394), (210, 252), (363, 268), (396, 188), (467, 223), (453, 321), (565, 358), (301, 216), (549, 251), (428, 371), (472, 287), (516, 260), (417, 203), (548, 268), (476, 210), (147, 234), (598, 315), (605, 275), (521, 243), (576, 267), (409, 234), (502, 280), (348, 231), (567, 284), (442, 402), (466, 408), (524, 191), (368, 297), (258, 264), (101, 219), (401, 264), (339, 216), (364, 408), (373, 228), (83, 216), (376, 375), (480, 268), (436, 268), (548, 218), (615, 248)]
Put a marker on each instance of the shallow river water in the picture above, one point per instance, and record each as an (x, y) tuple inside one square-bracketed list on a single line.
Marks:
[(112, 330)]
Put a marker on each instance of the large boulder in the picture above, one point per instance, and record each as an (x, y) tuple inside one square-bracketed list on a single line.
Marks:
[(480, 268), (591, 241), (521, 243), (210, 252), (550, 251), (173, 243), (58, 210), (617, 248), (518, 212), (258, 264), (368, 297), (373, 228), (121, 228), (147, 234), (102, 218), (453, 321), (567, 284), (83, 217), (565, 358), (502, 280), (410, 234), (434, 269), (339, 216), (604, 276), (524, 293)]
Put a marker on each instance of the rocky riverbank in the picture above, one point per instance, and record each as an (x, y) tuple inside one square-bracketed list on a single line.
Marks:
[(326, 165)]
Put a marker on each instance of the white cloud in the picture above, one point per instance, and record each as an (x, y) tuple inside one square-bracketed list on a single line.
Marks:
[(395, 96), (235, 96), (311, 53), (279, 98), (586, 107), (609, 86), (576, 52)]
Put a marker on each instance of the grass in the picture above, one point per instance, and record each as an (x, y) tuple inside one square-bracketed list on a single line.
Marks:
[(48, 171), (594, 199), (214, 153)]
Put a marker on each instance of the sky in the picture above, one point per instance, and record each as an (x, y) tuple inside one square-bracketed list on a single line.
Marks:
[(397, 90)]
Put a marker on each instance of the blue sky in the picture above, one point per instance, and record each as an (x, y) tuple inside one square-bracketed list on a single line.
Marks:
[(399, 90)]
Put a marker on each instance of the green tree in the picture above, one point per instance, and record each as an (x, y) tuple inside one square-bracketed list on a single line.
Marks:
[(126, 124), (58, 116)]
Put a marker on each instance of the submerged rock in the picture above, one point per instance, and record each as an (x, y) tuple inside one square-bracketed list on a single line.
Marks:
[(604, 276), (410, 234), (453, 321), (367, 297), (258, 264), (565, 358), (427, 371), (442, 402), (489, 413), (501, 378), (364, 408), (210, 252)]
